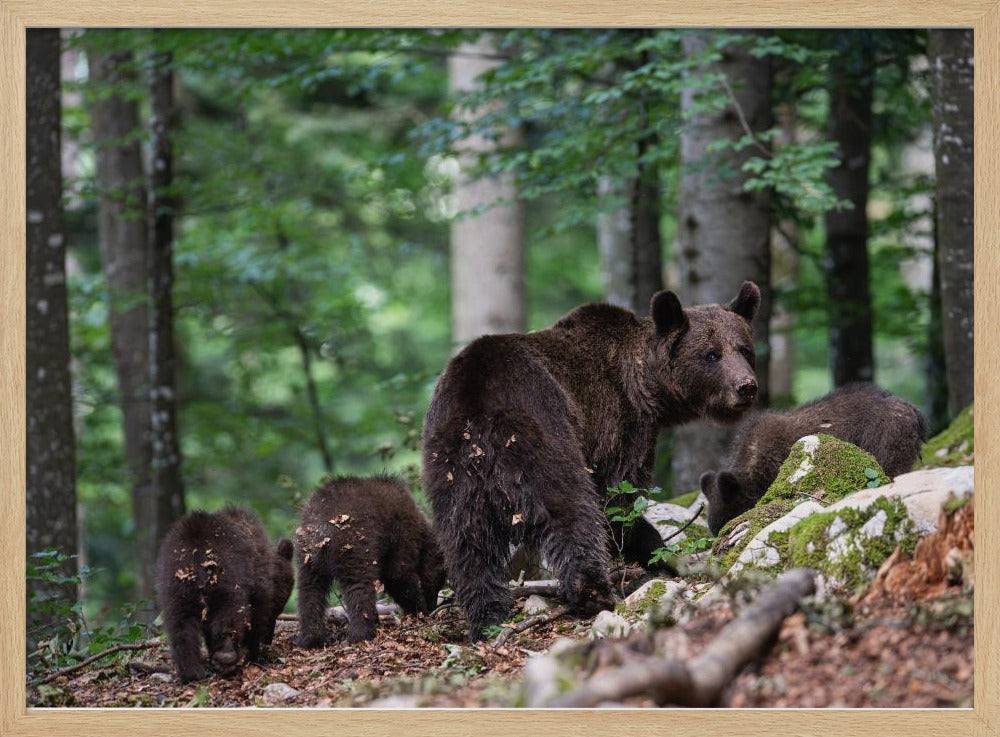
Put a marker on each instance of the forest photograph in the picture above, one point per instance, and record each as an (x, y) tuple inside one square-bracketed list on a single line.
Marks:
[(542, 368)]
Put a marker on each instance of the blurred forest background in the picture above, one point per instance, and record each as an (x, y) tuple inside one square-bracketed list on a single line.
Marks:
[(251, 251)]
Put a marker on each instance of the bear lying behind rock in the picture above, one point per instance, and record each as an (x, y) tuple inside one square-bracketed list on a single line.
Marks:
[(524, 433), (357, 530), (218, 578), (887, 426)]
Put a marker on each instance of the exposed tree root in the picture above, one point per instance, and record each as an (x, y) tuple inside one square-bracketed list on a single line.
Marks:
[(701, 682)]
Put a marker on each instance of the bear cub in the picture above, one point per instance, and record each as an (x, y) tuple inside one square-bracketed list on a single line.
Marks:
[(356, 530), (887, 426), (525, 433), (219, 578)]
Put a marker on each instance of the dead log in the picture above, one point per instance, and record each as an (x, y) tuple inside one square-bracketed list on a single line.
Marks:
[(338, 615), (701, 682), (144, 645)]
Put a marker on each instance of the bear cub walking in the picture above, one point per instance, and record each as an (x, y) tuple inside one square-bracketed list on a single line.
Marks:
[(218, 578), (525, 433), (357, 530), (887, 426)]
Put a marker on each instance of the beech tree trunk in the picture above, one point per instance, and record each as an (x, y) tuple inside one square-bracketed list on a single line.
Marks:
[(50, 488), (848, 291), (487, 249), (951, 59), (723, 232), (124, 246), (168, 485)]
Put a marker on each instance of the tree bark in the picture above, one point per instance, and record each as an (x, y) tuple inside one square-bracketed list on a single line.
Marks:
[(487, 249), (951, 59), (723, 232), (124, 246), (848, 291), (168, 484), (50, 488)]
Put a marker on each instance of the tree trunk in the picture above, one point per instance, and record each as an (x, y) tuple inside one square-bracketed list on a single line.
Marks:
[(487, 249), (723, 232), (848, 292), (168, 485), (50, 488), (124, 247), (951, 59)]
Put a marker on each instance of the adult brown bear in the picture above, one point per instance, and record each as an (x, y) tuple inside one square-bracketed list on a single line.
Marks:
[(524, 433)]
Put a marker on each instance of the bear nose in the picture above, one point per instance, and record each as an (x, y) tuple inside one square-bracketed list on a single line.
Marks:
[(224, 657), (748, 392)]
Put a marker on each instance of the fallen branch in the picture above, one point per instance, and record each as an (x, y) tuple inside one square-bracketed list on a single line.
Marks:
[(338, 614), (144, 645), (701, 682), (141, 666), (675, 533), (510, 631)]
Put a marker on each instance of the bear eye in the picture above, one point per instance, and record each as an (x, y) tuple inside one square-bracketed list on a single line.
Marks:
[(748, 354), (711, 357)]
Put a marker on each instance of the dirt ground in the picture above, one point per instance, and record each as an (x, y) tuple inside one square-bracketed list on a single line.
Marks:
[(908, 642)]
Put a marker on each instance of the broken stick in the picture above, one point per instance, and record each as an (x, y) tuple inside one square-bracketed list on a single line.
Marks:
[(528, 623), (701, 682), (144, 645)]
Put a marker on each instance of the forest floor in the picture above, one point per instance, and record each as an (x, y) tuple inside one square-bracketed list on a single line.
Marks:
[(906, 641)]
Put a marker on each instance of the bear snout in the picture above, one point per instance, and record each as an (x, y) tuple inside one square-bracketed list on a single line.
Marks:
[(747, 392)]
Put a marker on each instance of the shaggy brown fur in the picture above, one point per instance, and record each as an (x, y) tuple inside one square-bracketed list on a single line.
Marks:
[(888, 427), (219, 578), (525, 433), (357, 530)]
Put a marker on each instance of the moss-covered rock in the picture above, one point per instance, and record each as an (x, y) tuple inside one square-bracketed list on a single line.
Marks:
[(686, 500), (739, 531), (953, 446), (848, 545), (825, 469)]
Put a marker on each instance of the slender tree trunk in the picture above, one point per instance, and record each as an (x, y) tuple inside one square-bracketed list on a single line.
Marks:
[(937, 375), (784, 276), (51, 489), (951, 59), (168, 485), (848, 291), (487, 250), (124, 247), (629, 238), (723, 232)]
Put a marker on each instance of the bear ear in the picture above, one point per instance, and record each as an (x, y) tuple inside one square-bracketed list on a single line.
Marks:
[(708, 484), (729, 485), (285, 548), (667, 313), (746, 302)]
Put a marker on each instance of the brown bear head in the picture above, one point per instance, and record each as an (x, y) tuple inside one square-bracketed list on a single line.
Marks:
[(704, 356)]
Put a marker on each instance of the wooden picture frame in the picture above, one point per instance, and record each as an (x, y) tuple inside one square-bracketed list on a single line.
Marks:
[(16, 15)]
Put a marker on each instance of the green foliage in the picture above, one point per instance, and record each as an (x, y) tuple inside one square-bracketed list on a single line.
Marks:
[(626, 503), (67, 637)]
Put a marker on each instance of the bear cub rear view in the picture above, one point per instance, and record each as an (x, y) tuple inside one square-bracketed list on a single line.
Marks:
[(357, 530), (219, 578), (887, 426)]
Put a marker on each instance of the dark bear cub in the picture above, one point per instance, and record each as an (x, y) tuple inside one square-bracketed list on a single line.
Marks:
[(357, 530), (887, 426), (218, 578), (525, 433)]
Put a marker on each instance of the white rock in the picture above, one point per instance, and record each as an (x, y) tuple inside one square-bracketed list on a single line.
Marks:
[(541, 679), (809, 445), (667, 518), (396, 701), (277, 693), (876, 525), (609, 624), (671, 590), (536, 604)]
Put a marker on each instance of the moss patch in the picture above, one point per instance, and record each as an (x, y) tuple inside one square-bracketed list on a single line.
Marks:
[(649, 599), (831, 471), (685, 500), (851, 555), (953, 446)]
